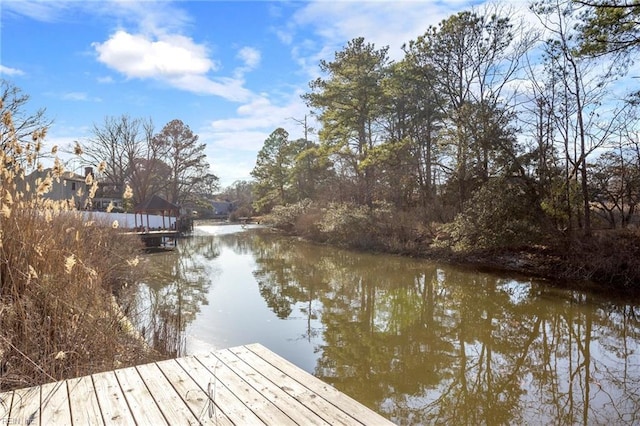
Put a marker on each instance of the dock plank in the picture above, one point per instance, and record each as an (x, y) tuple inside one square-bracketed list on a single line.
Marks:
[(298, 390), (289, 405), (266, 410), (5, 406), (196, 397), (25, 407), (143, 406), (54, 404), (356, 410), (163, 392), (83, 402), (225, 399), (113, 405), (243, 385)]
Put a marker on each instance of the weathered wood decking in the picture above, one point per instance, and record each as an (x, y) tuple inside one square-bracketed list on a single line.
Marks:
[(244, 385)]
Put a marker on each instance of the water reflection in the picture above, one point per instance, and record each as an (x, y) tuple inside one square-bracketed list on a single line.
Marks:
[(172, 294), (418, 342)]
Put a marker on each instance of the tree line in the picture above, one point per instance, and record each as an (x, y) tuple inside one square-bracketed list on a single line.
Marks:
[(170, 163), (486, 122), (121, 152)]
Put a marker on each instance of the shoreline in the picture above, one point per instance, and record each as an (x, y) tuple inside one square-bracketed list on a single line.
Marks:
[(584, 265)]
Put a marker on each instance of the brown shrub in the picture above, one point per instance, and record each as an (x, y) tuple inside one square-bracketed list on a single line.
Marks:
[(57, 312), (610, 257), (379, 227), (58, 317)]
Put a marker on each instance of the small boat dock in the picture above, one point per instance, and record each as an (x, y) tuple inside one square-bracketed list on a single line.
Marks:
[(236, 386), (158, 238)]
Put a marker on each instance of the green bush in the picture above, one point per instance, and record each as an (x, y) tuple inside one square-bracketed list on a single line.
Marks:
[(379, 227), (344, 223), (503, 213), (286, 217)]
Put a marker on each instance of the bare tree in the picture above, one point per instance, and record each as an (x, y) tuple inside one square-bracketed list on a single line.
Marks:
[(615, 183), (21, 125), (126, 147), (582, 90), (148, 170)]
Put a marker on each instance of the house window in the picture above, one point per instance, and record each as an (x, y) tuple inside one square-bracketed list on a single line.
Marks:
[(73, 186)]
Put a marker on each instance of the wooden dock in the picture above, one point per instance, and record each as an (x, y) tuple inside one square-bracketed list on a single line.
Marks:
[(158, 238), (245, 385)]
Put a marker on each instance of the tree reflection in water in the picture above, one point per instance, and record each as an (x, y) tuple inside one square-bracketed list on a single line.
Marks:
[(176, 286), (423, 343), (432, 344)]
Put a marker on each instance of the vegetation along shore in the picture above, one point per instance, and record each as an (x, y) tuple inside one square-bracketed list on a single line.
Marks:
[(492, 141), (606, 261)]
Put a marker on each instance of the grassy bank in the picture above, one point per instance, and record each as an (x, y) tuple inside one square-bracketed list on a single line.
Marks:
[(57, 280), (606, 261), (58, 277)]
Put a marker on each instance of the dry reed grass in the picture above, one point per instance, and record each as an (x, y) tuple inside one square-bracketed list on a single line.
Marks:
[(57, 276)]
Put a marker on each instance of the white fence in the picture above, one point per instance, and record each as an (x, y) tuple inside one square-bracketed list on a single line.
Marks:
[(128, 220)]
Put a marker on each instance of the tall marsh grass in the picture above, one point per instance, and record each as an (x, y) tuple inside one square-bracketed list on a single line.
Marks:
[(58, 273)]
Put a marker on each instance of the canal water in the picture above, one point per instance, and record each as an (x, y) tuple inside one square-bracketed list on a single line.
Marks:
[(417, 341)]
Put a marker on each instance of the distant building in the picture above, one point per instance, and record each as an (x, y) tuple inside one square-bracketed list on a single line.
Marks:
[(157, 205), (70, 186), (106, 194), (73, 186), (222, 209)]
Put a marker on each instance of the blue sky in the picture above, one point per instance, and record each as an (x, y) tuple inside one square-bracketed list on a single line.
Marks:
[(231, 70)]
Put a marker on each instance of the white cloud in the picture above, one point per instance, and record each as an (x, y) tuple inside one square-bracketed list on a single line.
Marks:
[(10, 71), (228, 88), (229, 168), (250, 56), (382, 23), (240, 137), (77, 96), (334, 23), (138, 56), (251, 59), (174, 59), (284, 36), (150, 44), (151, 16), (159, 17), (44, 11), (105, 80), (73, 96), (246, 140), (232, 153), (261, 114)]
